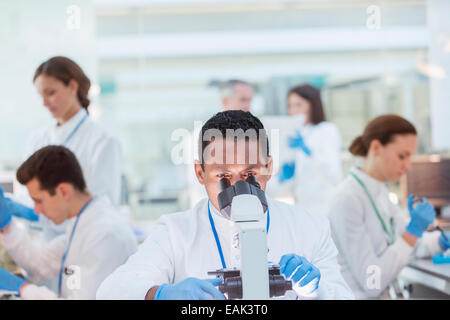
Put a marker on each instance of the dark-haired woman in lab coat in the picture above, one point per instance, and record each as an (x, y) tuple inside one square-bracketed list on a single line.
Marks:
[(375, 237), (317, 168)]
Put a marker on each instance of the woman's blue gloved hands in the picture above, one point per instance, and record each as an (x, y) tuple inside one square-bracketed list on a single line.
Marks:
[(422, 215), (444, 240), (297, 142), (190, 289), (287, 171)]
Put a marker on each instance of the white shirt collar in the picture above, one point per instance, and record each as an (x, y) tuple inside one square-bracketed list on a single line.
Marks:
[(60, 133), (219, 218), (87, 215)]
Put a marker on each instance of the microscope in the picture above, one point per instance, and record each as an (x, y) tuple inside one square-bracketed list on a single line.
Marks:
[(245, 204)]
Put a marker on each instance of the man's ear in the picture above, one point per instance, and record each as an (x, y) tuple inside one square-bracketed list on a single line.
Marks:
[(199, 172), (65, 189), (225, 103)]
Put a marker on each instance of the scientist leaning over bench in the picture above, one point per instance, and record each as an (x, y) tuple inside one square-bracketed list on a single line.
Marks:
[(96, 242), (174, 261)]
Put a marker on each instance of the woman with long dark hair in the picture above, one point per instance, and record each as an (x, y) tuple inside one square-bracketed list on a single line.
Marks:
[(317, 168), (375, 237)]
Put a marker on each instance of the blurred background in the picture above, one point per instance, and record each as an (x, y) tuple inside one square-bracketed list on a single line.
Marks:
[(156, 67)]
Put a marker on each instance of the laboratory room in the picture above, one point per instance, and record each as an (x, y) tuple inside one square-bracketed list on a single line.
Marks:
[(234, 150)]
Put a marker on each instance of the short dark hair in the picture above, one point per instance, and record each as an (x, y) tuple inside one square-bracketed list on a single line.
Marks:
[(51, 166), (311, 94), (235, 120)]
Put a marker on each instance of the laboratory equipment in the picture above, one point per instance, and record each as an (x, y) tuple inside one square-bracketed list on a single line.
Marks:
[(232, 282), (245, 204), (429, 177)]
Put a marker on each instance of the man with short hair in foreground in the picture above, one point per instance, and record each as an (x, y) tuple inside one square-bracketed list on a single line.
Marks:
[(97, 239), (174, 261)]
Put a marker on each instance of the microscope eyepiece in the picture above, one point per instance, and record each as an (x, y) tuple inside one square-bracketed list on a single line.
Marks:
[(224, 184), (252, 180)]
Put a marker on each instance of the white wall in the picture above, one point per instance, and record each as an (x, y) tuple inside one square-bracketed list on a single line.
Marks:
[(439, 61)]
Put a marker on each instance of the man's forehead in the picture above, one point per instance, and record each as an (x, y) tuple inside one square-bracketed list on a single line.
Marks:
[(34, 186), (243, 87), (34, 183), (233, 167), (234, 151)]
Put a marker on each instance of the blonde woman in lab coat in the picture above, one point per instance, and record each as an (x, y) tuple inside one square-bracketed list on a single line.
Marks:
[(376, 238), (317, 168), (64, 88)]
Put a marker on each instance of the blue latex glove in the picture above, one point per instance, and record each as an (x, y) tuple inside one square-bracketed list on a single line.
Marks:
[(9, 281), (298, 142), (287, 171), (190, 289), (296, 267), (5, 213), (17, 209), (445, 243), (422, 215)]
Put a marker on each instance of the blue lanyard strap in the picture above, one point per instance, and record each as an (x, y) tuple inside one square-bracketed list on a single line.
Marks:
[(75, 129), (216, 237), (68, 245)]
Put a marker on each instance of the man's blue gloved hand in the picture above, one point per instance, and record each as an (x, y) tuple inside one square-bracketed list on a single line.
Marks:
[(17, 209), (296, 267), (444, 241), (422, 215), (190, 289), (5, 212), (298, 142), (9, 281), (287, 171)]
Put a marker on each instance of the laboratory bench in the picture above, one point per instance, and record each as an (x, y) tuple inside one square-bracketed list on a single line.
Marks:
[(427, 274)]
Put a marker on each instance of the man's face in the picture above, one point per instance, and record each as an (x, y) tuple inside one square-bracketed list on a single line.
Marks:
[(235, 160), (53, 207), (241, 99)]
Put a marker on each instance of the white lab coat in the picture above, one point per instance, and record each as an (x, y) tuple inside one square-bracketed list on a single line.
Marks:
[(361, 241), (182, 245), (102, 241), (99, 154), (317, 176)]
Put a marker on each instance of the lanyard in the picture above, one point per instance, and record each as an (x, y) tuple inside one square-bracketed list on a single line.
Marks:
[(68, 245), (72, 133), (216, 237), (390, 234)]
